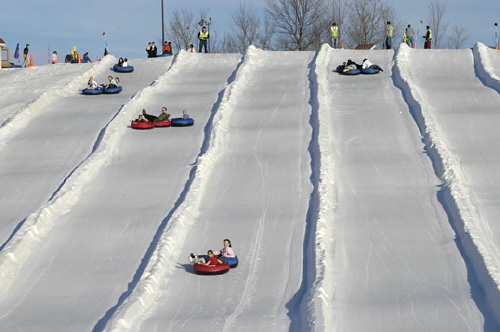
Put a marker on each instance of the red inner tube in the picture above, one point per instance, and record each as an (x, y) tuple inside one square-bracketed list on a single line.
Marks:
[(162, 123), (211, 269), (142, 124)]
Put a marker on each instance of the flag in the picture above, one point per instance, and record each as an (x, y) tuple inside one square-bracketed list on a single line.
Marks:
[(16, 53)]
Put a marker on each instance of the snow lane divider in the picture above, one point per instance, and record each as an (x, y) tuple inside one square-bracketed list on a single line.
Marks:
[(129, 315), (483, 67), (38, 225), (65, 88), (317, 304), (471, 230)]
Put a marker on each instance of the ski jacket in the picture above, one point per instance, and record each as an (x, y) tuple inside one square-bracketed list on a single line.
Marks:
[(225, 252), (334, 30), (203, 35)]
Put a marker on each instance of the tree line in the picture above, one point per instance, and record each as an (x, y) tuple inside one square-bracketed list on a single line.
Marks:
[(304, 25)]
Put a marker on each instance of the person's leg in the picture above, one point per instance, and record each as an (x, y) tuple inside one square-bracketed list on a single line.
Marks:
[(148, 116), (200, 45)]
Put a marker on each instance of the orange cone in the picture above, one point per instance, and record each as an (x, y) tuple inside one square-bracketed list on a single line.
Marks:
[(31, 60), (496, 47), (342, 45), (415, 44), (79, 58)]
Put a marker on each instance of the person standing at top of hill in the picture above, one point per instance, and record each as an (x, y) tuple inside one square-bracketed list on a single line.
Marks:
[(410, 36), (334, 32), (26, 55), (203, 38), (428, 38), (389, 32), (74, 54)]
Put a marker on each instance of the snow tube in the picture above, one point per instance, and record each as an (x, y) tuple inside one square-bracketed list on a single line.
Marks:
[(163, 55), (91, 91), (112, 90), (119, 69), (370, 71), (349, 72), (13, 66), (211, 269), (232, 261), (142, 124), (162, 123), (180, 122)]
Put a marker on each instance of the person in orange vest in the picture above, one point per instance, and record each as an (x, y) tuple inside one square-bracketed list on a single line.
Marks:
[(203, 38)]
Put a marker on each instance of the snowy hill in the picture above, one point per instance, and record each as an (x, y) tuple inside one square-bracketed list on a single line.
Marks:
[(364, 203)]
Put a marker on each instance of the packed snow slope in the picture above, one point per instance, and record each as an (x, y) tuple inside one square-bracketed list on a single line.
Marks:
[(353, 203)]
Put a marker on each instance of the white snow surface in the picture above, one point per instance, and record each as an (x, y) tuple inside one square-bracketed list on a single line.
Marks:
[(354, 203)]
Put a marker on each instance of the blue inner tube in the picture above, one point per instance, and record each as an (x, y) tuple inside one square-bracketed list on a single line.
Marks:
[(163, 55), (370, 71), (119, 69), (350, 72), (91, 91), (232, 261), (14, 66), (180, 122), (112, 90)]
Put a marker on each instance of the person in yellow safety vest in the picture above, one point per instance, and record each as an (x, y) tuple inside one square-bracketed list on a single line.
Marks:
[(405, 38), (389, 32), (428, 38), (74, 54), (203, 37), (334, 31)]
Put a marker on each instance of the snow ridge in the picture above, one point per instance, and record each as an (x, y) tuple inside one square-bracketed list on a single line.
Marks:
[(318, 301), (483, 67), (38, 224), (64, 88), (472, 231), (132, 312)]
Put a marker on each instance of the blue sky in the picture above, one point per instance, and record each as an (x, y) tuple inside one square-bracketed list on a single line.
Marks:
[(129, 24)]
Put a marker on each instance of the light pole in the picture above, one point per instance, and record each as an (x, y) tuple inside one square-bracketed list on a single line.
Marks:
[(496, 36), (162, 26), (208, 24)]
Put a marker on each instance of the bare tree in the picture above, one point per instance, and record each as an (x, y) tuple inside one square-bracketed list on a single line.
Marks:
[(365, 21), (246, 27), (438, 25), (266, 35), (182, 28), (458, 36), (296, 21)]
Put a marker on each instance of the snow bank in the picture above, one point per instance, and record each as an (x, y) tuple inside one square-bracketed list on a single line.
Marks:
[(131, 313), (317, 304), (472, 231), (67, 87), (38, 224), (484, 67)]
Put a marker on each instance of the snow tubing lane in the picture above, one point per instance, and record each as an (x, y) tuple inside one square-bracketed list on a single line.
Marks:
[(180, 122), (370, 71), (142, 124), (162, 123), (119, 69), (232, 261), (110, 91), (91, 91), (211, 269)]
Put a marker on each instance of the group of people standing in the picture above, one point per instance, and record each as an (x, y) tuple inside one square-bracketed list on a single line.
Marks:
[(408, 36), (203, 37)]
